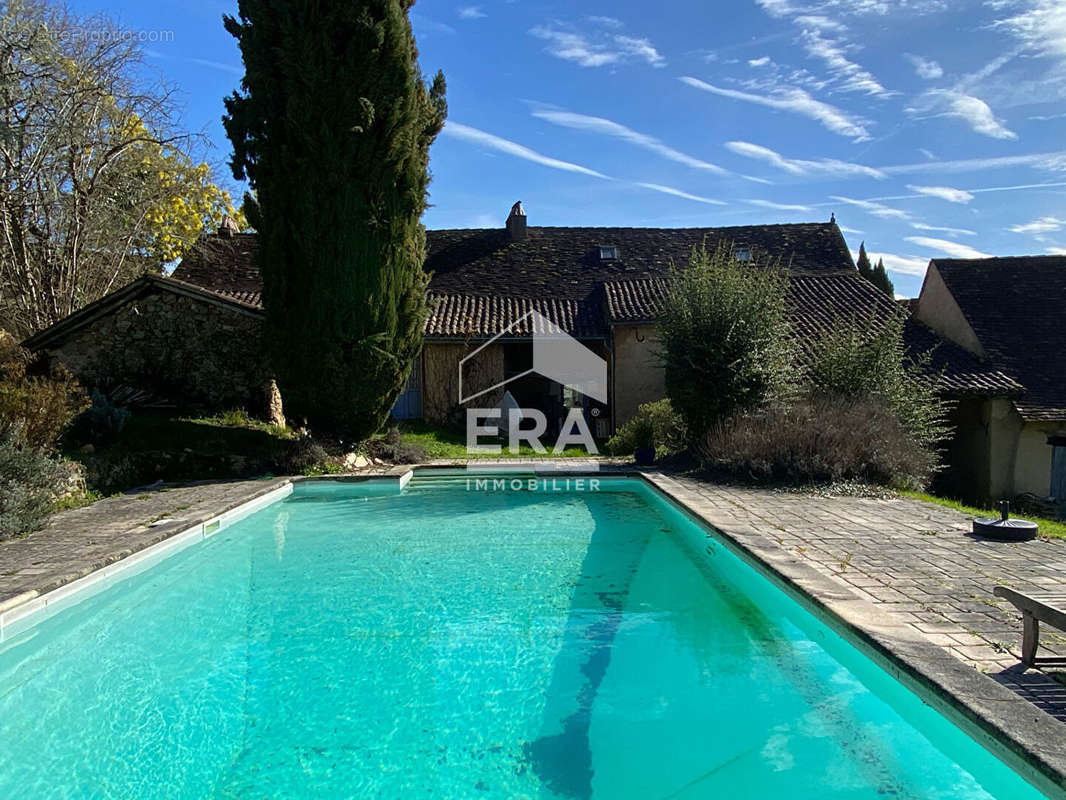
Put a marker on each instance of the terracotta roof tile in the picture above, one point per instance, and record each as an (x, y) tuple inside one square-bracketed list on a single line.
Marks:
[(482, 282), (462, 316)]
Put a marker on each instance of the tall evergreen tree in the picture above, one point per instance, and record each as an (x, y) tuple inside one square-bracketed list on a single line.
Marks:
[(863, 263), (332, 128), (881, 280)]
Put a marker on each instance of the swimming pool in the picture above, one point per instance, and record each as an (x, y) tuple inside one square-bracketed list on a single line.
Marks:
[(359, 641)]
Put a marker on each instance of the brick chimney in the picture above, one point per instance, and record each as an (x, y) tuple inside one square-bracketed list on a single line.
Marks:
[(516, 222)]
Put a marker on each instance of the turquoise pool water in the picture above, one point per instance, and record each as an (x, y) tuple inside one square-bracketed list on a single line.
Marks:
[(447, 644)]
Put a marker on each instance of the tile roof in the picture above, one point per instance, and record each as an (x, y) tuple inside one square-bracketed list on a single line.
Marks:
[(635, 300), (482, 282), (815, 303), (471, 316), (961, 374), (566, 263), (1017, 308)]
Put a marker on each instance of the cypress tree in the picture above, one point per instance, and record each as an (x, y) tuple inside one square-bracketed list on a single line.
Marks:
[(863, 263), (332, 128), (881, 280)]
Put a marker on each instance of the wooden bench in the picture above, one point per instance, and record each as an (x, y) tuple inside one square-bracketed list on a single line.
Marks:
[(1037, 607)]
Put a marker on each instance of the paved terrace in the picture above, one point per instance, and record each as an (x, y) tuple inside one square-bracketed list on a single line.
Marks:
[(917, 562)]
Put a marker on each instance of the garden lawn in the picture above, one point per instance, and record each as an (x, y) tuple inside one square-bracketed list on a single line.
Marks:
[(155, 445), (442, 444), (1050, 528)]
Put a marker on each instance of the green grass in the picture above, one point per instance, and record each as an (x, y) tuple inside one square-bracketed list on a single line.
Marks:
[(77, 500), (1050, 528), (240, 420), (439, 443), (221, 434)]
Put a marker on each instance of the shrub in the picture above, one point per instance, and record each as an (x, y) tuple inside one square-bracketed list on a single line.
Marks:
[(655, 425), (820, 439), (860, 358), (39, 403), (302, 455), (724, 337), (394, 449), (100, 423), (30, 484)]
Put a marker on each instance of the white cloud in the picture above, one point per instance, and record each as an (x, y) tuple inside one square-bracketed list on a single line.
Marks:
[(583, 51), (944, 193), (796, 101), (872, 207), (233, 69), (846, 229), (471, 12), (1048, 161), (974, 111), (776, 8), (849, 76), (575, 47), (656, 187), (925, 68), (425, 24), (1040, 25), (953, 249), (759, 62), (640, 48), (796, 166), (779, 206), (855, 8), (606, 22), (457, 130), (921, 226), (1041, 225), (905, 265), (608, 127), (1056, 251)]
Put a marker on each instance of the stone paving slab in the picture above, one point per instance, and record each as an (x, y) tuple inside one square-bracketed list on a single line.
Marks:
[(920, 564), (82, 540)]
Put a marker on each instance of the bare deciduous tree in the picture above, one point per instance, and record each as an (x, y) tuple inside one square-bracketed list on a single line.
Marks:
[(97, 185)]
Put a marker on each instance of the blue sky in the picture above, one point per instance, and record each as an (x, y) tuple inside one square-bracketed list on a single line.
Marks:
[(931, 128)]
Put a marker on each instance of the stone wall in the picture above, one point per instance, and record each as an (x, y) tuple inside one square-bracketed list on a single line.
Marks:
[(638, 375), (192, 352)]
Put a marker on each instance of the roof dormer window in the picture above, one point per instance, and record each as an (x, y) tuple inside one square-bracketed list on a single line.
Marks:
[(608, 253), (742, 254)]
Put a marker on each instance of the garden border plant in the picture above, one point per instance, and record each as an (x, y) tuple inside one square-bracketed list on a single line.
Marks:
[(853, 404)]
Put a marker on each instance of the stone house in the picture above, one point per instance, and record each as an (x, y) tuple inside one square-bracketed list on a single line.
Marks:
[(196, 336), (1010, 313)]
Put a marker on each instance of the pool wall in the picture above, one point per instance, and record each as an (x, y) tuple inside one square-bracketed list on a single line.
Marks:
[(1030, 741)]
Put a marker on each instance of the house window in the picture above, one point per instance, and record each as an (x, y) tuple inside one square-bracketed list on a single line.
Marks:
[(742, 253), (608, 253)]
